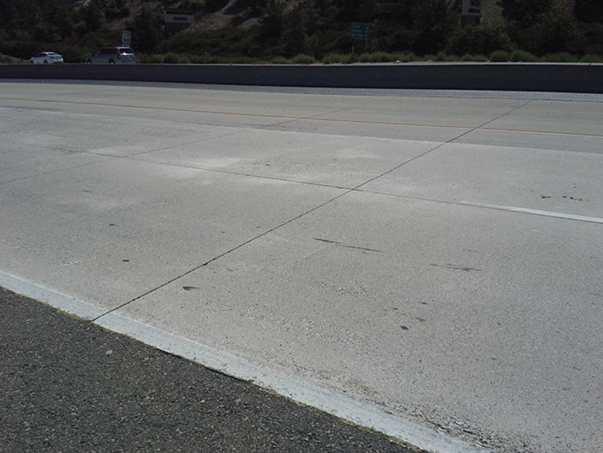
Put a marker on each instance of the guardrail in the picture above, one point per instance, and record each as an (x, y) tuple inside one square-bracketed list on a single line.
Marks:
[(561, 77)]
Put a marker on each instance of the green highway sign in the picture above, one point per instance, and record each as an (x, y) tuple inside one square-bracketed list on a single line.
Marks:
[(360, 31)]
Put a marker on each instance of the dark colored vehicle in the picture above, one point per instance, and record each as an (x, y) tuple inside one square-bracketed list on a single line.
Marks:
[(112, 55)]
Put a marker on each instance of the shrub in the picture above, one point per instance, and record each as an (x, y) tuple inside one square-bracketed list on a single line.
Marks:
[(522, 55), (562, 57), (334, 58), (241, 59), (201, 59), (149, 58), (303, 59), (171, 58), (280, 60), (351, 58), (479, 58), (376, 57), (591, 58), (382, 57), (500, 55), (481, 39), (5, 59), (403, 57)]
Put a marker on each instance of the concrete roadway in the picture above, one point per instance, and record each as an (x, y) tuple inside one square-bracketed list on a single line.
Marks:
[(439, 258), (58, 394)]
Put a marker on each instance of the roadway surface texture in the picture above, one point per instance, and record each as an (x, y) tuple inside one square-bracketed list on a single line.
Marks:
[(58, 392), (434, 258)]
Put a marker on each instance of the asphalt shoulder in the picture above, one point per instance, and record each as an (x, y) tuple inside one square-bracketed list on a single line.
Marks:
[(67, 385)]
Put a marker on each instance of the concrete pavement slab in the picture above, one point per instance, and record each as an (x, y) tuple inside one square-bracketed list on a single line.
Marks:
[(346, 128), (109, 232), (69, 386), (567, 142), (467, 113), (312, 158), (18, 161), (83, 131), (477, 322), (547, 180), (555, 116), (456, 315)]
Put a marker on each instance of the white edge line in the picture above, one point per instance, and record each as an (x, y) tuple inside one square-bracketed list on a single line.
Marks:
[(557, 215), (51, 297), (332, 403), (341, 406)]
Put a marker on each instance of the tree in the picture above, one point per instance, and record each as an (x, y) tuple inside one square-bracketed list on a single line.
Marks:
[(557, 31), (356, 11), (524, 13), (8, 14), (272, 24), (479, 40), (589, 10), (294, 36), (148, 30), (93, 16), (435, 21)]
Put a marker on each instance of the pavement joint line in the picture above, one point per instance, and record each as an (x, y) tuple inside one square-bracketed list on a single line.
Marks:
[(358, 189), (235, 173), (472, 204), (263, 234), (556, 134), (360, 92), (52, 297), (172, 280), (314, 117), (113, 157), (295, 218), (343, 407), (54, 148), (216, 112), (108, 158), (440, 146), (306, 393), (558, 215), (317, 117)]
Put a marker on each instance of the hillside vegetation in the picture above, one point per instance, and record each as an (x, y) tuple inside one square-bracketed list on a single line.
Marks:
[(304, 31)]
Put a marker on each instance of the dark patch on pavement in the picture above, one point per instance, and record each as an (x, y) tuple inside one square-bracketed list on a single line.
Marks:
[(189, 288), (458, 268), (68, 385), (341, 244)]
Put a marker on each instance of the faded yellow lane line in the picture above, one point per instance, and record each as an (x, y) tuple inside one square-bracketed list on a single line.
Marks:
[(306, 118)]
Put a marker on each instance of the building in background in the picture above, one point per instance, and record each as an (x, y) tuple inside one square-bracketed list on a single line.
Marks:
[(177, 20)]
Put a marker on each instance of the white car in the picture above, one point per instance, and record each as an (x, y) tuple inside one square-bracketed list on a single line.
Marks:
[(46, 58)]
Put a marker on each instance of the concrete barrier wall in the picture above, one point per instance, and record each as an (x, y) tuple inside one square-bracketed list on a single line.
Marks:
[(576, 78)]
